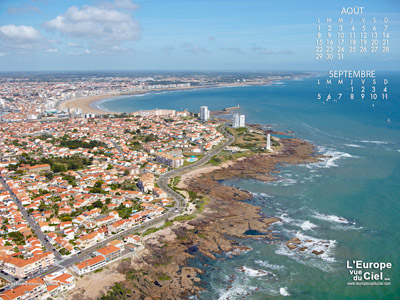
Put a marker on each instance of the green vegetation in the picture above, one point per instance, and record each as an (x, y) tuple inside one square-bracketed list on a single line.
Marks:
[(128, 185), (17, 237), (73, 144), (62, 164), (71, 179), (168, 223), (164, 277), (192, 195), (97, 188), (117, 292), (185, 218), (64, 251), (150, 138), (175, 181), (201, 204), (124, 212), (151, 230)]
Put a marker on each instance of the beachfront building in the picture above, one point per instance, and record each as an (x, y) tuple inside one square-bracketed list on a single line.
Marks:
[(239, 121), (204, 113), (109, 253), (89, 265), (155, 112), (89, 116), (103, 256)]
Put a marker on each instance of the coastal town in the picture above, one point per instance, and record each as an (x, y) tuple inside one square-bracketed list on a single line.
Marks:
[(80, 190), (79, 193)]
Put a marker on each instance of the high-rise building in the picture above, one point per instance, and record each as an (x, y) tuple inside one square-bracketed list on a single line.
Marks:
[(242, 121), (204, 113), (239, 121)]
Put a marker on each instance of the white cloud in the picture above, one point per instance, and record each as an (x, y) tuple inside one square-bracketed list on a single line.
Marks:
[(97, 24), (87, 51), (21, 32), (52, 50), (2, 54), (21, 39)]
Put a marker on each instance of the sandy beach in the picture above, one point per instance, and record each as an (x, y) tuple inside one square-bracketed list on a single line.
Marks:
[(85, 102), (186, 177)]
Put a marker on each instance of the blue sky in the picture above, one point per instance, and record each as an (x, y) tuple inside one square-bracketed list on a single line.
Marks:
[(179, 34)]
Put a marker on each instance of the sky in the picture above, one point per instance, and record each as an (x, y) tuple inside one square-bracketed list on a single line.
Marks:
[(57, 35)]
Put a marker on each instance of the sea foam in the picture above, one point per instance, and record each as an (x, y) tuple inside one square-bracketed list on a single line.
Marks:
[(284, 292), (332, 218), (307, 225)]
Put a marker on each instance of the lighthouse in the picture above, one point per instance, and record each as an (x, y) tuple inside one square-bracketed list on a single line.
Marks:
[(268, 142)]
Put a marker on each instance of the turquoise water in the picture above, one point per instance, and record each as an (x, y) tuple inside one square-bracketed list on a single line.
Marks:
[(349, 202)]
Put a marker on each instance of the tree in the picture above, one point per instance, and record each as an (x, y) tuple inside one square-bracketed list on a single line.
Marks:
[(42, 206), (150, 138), (98, 204), (99, 183), (56, 208), (66, 219)]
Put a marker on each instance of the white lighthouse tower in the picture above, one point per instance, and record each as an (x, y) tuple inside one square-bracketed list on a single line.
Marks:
[(268, 142)]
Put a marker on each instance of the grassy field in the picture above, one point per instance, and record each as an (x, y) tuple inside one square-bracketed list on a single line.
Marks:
[(250, 143)]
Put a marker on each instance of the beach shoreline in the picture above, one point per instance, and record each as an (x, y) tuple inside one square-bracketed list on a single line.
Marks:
[(88, 104)]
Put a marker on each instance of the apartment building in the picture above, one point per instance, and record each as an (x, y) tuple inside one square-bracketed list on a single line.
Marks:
[(20, 268)]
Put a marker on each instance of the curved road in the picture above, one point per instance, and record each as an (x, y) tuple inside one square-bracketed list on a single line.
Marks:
[(162, 181)]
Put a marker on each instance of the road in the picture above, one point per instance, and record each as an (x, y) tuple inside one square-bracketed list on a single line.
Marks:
[(117, 146), (34, 226), (180, 205)]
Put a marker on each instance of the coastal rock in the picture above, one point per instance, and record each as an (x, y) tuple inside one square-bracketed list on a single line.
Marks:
[(162, 273), (291, 246), (316, 252)]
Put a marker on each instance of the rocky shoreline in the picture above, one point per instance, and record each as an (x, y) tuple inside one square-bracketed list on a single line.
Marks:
[(162, 273)]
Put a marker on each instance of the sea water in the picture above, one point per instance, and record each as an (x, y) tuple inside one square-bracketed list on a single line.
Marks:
[(348, 204)]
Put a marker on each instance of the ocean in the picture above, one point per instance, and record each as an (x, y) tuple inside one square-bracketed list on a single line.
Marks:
[(348, 204)]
